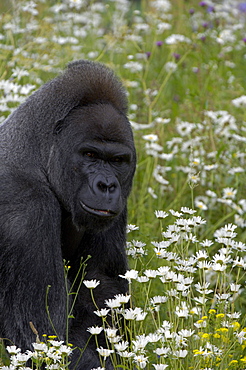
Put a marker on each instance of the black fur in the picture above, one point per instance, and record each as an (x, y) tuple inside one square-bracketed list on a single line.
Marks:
[(67, 163)]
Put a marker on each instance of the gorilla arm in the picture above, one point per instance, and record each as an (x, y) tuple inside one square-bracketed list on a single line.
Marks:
[(30, 261)]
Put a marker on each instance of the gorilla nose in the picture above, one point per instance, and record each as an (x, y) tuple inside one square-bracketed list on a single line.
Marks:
[(105, 184), (104, 187)]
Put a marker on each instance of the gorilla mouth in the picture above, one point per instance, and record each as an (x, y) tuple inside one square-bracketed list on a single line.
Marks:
[(98, 212)]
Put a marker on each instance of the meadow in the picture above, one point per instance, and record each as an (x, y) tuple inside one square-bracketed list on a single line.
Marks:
[(183, 63)]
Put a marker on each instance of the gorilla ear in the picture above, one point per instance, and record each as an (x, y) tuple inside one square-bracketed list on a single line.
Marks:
[(59, 125)]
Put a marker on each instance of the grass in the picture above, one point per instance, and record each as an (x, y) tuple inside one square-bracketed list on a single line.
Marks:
[(190, 139)]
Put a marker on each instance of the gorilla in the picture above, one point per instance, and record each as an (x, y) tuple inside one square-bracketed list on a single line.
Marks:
[(67, 164)]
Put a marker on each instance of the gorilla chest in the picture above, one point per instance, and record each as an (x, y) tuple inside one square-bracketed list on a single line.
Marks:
[(71, 237)]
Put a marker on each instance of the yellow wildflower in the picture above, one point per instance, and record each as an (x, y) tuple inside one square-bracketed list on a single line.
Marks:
[(205, 336), (236, 325), (197, 352), (199, 321), (222, 330), (216, 335), (233, 362), (220, 315)]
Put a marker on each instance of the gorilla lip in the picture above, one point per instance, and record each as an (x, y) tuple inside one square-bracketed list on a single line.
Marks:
[(98, 212)]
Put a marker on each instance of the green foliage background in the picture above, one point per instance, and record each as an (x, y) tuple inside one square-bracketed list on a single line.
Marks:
[(170, 85)]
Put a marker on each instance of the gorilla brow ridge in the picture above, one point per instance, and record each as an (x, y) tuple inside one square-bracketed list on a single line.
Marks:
[(61, 124)]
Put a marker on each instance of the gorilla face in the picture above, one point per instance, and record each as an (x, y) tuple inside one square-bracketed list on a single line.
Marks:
[(104, 166), (93, 162)]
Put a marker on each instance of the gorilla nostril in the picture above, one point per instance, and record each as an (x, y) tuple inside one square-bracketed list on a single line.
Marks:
[(102, 186), (112, 188)]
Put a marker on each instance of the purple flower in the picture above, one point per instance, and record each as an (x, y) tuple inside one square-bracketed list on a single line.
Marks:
[(192, 11), (176, 56), (210, 9), (148, 54), (244, 39), (159, 43), (195, 70), (242, 7), (203, 3)]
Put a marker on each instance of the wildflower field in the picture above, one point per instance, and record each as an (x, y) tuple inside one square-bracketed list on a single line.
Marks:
[(183, 63)]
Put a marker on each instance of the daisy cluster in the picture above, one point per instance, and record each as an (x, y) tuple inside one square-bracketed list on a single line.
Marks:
[(37, 36), (192, 319), (189, 153), (194, 316), (51, 353)]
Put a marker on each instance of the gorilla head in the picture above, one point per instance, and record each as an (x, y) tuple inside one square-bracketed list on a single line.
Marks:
[(91, 164), (67, 161)]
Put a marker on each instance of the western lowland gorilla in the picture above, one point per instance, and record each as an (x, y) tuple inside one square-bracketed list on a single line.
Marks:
[(67, 163)]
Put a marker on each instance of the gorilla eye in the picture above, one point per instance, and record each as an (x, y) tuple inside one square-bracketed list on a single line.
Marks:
[(121, 159), (117, 159), (90, 154)]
